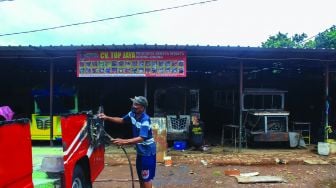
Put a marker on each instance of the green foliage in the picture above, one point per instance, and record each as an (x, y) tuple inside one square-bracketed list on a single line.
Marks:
[(299, 40), (326, 39), (282, 40), (309, 44), (278, 41)]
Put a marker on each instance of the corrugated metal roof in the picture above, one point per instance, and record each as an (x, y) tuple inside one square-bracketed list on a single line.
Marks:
[(22, 52)]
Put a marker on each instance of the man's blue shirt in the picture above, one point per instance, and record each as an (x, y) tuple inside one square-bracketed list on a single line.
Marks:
[(142, 127)]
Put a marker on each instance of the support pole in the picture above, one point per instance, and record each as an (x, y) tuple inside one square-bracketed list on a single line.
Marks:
[(326, 102), (240, 105), (51, 96), (145, 88)]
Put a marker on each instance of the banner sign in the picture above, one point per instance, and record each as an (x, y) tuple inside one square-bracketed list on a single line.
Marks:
[(131, 64)]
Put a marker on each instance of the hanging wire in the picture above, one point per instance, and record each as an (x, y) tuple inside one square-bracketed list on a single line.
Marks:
[(111, 18)]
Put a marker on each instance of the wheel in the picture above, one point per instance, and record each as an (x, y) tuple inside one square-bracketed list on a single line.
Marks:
[(78, 178)]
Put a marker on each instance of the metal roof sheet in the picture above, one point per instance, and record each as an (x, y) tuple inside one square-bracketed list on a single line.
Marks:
[(193, 51)]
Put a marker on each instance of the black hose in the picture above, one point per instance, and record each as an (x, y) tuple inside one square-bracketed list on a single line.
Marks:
[(130, 165), (128, 158)]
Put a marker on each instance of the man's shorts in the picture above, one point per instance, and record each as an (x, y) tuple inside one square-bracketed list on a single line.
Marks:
[(145, 166)]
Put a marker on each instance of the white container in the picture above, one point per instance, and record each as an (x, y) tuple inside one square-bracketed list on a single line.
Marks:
[(323, 148), (293, 139), (52, 164)]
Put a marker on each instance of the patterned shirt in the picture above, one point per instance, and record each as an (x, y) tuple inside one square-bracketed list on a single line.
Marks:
[(142, 127)]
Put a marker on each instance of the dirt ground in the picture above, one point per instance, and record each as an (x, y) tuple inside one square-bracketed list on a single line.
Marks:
[(199, 176), (206, 169)]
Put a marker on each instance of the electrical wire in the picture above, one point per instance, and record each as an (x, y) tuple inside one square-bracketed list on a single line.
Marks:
[(308, 39), (105, 19)]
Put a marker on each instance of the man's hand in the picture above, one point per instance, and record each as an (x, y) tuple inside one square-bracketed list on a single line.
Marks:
[(102, 116), (119, 141), (111, 119)]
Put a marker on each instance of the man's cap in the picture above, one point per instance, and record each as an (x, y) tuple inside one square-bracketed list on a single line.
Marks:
[(141, 100)]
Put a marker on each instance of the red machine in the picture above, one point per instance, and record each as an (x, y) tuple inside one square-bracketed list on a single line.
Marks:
[(82, 158), (83, 151), (16, 164)]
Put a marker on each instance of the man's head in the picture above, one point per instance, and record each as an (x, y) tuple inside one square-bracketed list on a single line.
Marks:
[(140, 103), (195, 120)]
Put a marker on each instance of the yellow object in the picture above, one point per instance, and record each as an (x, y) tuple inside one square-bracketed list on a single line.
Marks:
[(159, 129), (328, 129), (330, 141), (168, 161), (40, 127), (332, 147)]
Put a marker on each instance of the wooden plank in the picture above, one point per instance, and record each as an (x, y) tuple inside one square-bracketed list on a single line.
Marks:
[(316, 162), (260, 179), (249, 174)]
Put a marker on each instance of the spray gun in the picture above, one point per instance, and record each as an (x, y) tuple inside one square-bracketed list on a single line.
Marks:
[(107, 138), (100, 110)]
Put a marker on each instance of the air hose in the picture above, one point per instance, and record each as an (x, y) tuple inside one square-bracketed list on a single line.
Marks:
[(128, 158)]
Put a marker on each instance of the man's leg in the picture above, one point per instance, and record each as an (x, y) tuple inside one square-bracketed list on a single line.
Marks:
[(146, 184), (146, 170)]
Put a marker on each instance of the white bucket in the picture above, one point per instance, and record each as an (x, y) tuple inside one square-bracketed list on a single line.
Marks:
[(323, 148), (293, 139)]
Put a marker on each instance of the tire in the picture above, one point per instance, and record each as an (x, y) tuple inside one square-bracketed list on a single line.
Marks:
[(79, 179)]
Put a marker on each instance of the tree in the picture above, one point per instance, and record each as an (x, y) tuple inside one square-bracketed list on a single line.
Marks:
[(326, 39), (281, 40), (309, 44)]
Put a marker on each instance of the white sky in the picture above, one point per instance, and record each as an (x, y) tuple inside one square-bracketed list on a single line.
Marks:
[(223, 22)]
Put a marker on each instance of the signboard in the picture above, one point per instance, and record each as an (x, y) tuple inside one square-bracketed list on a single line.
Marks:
[(131, 64)]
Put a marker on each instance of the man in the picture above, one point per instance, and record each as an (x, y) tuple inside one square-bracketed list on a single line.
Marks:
[(142, 138), (196, 133)]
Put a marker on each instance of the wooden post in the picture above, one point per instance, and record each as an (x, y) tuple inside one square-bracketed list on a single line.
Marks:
[(327, 104), (240, 105), (51, 85)]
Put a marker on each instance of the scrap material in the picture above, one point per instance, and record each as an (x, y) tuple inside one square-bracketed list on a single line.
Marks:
[(260, 179)]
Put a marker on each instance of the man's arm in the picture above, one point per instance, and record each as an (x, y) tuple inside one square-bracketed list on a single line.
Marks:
[(135, 140), (142, 135), (111, 119)]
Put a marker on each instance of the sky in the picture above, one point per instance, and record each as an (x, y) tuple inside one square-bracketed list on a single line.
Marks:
[(221, 22)]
